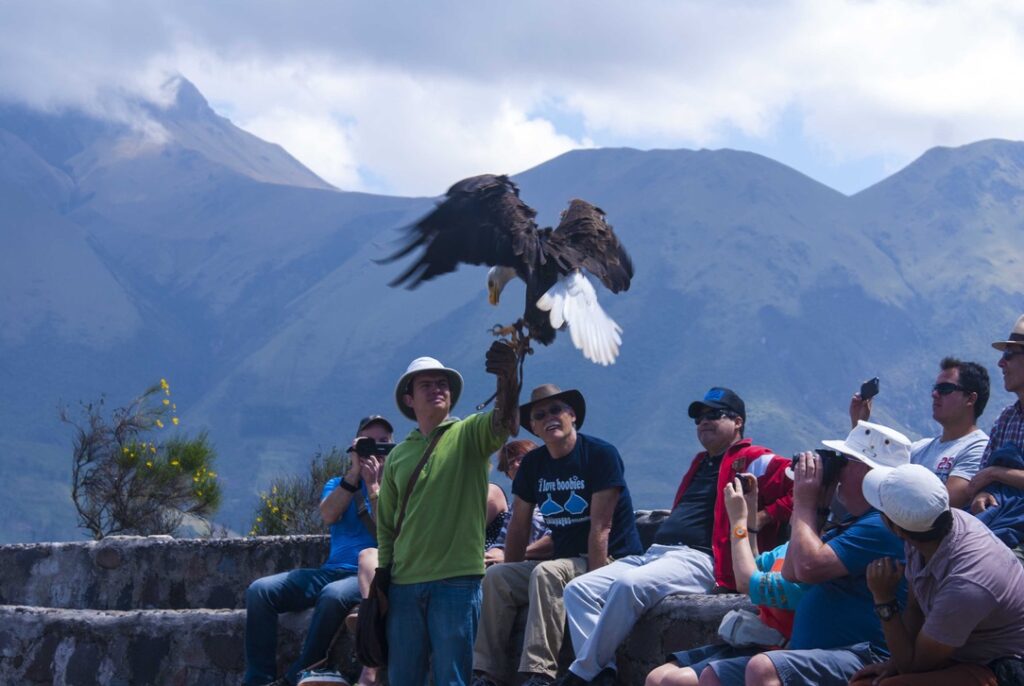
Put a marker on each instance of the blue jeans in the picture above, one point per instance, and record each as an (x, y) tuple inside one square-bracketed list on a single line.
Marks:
[(332, 591), (433, 622)]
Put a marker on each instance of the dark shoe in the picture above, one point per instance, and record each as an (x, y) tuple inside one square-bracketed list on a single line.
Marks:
[(538, 680), (481, 680), (569, 679), (606, 677)]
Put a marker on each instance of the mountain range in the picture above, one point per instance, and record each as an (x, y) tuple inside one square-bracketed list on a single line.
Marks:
[(174, 244)]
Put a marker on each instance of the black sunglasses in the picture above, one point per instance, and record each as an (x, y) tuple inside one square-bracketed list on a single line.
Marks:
[(554, 411), (713, 416), (947, 387), (1010, 353)]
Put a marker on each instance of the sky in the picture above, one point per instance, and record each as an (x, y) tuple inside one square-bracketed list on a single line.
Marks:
[(405, 97)]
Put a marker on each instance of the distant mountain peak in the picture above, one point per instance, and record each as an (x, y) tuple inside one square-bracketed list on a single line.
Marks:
[(184, 98)]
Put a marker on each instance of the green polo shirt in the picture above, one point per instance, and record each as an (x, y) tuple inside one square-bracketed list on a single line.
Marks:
[(443, 531)]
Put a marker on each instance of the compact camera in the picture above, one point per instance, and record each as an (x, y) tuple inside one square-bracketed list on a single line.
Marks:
[(366, 446)]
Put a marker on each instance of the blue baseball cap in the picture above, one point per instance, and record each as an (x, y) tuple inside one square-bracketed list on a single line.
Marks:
[(718, 398)]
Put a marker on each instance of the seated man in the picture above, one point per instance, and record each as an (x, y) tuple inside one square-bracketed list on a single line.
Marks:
[(691, 551), (958, 398), (332, 589), (577, 482), (835, 631), (760, 576), (1009, 427), (965, 608)]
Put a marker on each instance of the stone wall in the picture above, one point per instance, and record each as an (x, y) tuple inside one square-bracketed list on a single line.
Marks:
[(156, 610)]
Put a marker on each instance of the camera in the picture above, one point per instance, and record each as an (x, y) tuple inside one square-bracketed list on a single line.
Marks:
[(366, 446), (832, 463)]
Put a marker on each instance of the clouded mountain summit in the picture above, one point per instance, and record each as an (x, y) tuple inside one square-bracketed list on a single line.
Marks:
[(173, 244)]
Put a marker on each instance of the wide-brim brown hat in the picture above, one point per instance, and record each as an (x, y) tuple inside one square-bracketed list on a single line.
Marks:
[(1016, 336), (550, 391)]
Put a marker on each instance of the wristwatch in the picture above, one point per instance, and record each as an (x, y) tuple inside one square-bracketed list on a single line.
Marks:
[(886, 611), (739, 531), (349, 487)]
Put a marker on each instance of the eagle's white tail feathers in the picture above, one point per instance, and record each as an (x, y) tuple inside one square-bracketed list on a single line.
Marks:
[(573, 301)]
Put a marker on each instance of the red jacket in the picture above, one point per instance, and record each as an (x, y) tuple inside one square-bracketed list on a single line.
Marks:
[(774, 496)]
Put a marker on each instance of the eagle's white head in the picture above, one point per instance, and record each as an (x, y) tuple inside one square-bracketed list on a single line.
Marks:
[(497, 279)]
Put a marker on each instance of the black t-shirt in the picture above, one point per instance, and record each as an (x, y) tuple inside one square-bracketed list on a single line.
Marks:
[(561, 490), (692, 520)]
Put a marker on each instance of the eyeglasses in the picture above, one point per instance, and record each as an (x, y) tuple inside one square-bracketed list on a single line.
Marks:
[(712, 416), (1010, 353), (947, 387), (554, 411)]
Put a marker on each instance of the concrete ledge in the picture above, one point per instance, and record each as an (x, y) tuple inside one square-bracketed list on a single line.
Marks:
[(678, 622), (155, 572), (174, 647)]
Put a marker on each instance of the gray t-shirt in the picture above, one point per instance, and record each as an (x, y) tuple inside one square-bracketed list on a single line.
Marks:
[(960, 457), (971, 593)]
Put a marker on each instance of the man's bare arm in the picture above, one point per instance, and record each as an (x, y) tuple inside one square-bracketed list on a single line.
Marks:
[(518, 530), (602, 507)]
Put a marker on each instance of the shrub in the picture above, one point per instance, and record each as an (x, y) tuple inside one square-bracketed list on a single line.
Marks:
[(291, 505), (126, 480)]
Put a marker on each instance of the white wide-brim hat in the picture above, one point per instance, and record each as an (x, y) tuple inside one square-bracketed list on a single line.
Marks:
[(874, 445), (1016, 336), (910, 495), (425, 364)]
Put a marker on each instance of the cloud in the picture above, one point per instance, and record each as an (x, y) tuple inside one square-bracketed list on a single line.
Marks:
[(406, 97)]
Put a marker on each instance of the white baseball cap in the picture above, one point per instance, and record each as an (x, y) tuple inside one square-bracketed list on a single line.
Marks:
[(910, 495), (425, 364), (874, 445)]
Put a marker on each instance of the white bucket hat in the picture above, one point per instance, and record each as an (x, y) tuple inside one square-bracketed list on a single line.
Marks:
[(874, 445), (910, 495), (425, 364)]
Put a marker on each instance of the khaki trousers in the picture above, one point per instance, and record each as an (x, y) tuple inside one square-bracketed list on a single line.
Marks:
[(508, 587)]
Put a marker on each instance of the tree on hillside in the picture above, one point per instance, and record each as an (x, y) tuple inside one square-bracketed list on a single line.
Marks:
[(291, 505), (126, 478)]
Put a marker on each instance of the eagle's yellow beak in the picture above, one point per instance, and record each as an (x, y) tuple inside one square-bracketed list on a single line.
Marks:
[(493, 294)]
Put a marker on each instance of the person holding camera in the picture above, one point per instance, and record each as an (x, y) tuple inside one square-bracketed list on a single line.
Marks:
[(691, 551), (760, 576), (958, 398), (332, 589), (836, 630)]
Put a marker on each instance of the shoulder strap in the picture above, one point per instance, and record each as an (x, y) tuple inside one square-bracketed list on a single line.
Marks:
[(414, 477)]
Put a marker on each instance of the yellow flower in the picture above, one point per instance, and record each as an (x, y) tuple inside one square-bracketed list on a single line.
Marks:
[(274, 490), (159, 424), (174, 420), (124, 450), (152, 449), (199, 493), (149, 463), (195, 479), (175, 463), (276, 510), (163, 384), (259, 519), (166, 401), (213, 475)]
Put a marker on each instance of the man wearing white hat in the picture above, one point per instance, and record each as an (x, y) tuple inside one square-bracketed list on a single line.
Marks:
[(835, 631), (435, 560), (966, 606), (1009, 428)]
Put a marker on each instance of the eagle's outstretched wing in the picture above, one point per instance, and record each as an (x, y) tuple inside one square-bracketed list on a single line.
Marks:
[(481, 221), (584, 240)]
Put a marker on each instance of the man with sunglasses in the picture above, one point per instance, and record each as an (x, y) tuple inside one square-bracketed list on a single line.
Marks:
[(1008, 430), (691, 552), (578, 484), (959, 396)]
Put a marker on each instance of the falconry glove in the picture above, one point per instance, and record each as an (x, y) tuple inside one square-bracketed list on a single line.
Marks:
[(503, 362)]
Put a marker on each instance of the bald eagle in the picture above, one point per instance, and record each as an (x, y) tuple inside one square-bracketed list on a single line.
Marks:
[(483, 221)]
